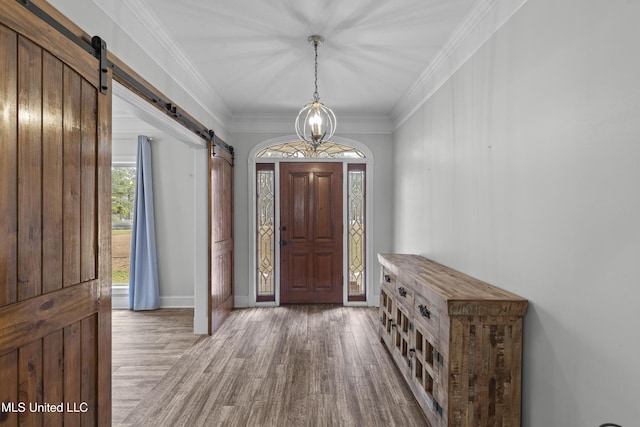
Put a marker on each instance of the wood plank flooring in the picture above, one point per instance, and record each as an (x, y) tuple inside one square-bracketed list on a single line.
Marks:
[(146, 345), (283, 366)]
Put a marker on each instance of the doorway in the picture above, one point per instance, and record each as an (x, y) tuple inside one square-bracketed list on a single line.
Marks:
[(311, 233), (283, 169)]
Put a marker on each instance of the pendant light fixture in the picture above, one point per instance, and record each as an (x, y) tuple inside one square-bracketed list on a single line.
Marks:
[(315, 123)]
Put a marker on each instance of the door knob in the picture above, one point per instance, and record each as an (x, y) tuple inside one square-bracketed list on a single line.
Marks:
[(283, 242), (284, 228)]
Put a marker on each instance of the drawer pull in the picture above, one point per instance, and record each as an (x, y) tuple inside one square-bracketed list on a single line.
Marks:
[(424, 311), (402, 292), (437, 407), (438, 357), (387, 278)]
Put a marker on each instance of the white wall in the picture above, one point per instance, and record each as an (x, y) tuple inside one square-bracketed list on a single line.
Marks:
[(172, 163), (174, 200), (522, 170), (380, 145)]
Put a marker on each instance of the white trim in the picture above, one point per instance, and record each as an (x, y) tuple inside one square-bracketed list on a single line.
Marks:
[(240, 301), (144, 27), (484, 20), (276, 178), (120, 299), (252, 160), (176, 302)]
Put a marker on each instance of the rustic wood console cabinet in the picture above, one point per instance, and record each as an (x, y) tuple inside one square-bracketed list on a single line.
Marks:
[(457, 341)]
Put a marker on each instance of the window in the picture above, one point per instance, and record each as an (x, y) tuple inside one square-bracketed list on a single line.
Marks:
[(356, 231), (299, 150), (123, 185), (265, 232)]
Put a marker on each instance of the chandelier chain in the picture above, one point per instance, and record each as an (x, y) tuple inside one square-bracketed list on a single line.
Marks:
[(316, 97)]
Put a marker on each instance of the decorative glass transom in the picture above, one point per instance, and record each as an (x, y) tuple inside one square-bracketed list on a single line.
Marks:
[(300, 150)]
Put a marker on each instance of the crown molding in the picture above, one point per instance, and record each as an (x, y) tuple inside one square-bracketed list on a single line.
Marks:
[(284, 124), (484, 19), (144, 27)]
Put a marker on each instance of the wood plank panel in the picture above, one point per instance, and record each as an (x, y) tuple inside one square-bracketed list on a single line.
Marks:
[(36, 317), (89, 385), (29, 169), (22, 21), (30, 382), (72, 370), (52, 169), (9, 389), (53, 374), (8, 164), (51, 186), (104, 256), (72, 176), (88, 206)]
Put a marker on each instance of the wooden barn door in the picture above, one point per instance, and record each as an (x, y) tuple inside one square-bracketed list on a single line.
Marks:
[(55, 237), (311, 233), (221, 236)]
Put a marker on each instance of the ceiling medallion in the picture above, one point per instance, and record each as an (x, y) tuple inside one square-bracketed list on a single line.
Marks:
[(315, 123)]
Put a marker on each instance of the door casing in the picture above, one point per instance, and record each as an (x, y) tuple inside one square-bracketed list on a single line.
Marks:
[(369, 160)]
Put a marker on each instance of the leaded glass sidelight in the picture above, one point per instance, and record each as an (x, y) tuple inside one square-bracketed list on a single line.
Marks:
[(356, 231), (265, 232)]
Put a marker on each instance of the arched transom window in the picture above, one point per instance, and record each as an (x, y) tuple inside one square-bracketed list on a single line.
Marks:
[(301, 150)]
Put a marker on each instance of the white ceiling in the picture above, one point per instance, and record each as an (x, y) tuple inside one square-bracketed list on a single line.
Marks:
[(255, 53), (251, 57)]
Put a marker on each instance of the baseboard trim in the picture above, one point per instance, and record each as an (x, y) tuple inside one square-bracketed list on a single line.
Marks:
[(120, 299), (240, 301)]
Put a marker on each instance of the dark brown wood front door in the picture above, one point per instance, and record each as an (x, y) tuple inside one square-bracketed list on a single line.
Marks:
[(55, 228), (311, 233)]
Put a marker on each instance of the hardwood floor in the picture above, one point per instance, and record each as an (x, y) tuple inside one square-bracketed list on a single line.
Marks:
[(284, 366), (146, 345)]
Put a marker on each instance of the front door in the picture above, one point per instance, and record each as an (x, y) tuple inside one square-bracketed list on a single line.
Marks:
[(55, 228), (311, 233)]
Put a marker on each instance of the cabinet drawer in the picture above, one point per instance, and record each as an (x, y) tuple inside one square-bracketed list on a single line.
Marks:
[(404, 295), (427, 315), (389, 288)]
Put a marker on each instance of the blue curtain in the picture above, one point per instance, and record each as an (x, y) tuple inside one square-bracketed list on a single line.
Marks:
[(144, 292)]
